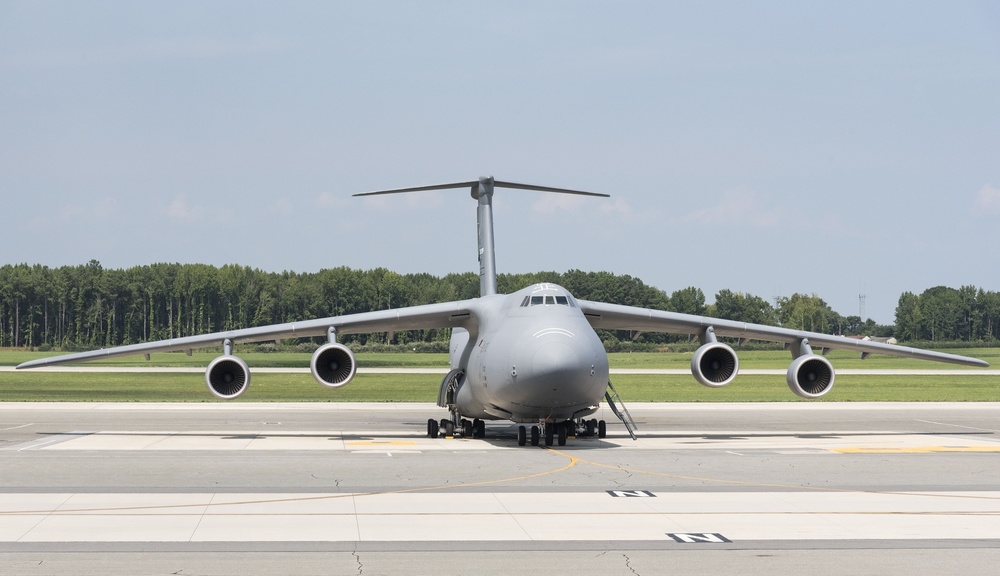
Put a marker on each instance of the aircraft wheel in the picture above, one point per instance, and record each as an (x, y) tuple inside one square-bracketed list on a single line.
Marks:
[(591, 427), (602, 429), (549, 432), (522, 436), (535, 433), (467, 429), (563, 433), (478, 428), (570, 428), (432, 428), (449, 429)]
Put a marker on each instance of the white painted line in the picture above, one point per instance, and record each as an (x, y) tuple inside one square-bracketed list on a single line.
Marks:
[(16, 427), (53, 440), (468, 517), (957, 426)]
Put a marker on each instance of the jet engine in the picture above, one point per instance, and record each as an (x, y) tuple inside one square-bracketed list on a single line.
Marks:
[(810, 376), (333, 365), (714, 364), (227, 377)]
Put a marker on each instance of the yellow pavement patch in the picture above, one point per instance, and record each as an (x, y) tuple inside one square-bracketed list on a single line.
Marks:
[(915, 449)]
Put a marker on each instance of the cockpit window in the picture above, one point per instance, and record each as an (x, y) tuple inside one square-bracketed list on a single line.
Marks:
[(545, 300)]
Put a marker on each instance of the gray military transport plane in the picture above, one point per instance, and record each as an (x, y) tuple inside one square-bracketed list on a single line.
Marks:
[(531, 357)]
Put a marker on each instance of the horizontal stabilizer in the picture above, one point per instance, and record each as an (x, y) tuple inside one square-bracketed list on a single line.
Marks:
[(471, 183)]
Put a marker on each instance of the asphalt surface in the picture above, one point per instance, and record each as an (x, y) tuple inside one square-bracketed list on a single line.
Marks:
[(357, 489)]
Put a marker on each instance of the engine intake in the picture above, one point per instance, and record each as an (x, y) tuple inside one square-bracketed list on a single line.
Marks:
[(333, 365), (227, 377), (714, 365), (810, 376)]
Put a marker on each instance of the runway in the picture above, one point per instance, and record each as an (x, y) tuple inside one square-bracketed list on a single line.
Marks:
[(357, 489)]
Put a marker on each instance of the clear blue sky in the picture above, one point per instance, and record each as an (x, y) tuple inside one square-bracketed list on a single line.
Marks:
[(769, 148)]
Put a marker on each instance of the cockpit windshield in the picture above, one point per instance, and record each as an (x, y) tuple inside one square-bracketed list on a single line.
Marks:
[(546, 300)]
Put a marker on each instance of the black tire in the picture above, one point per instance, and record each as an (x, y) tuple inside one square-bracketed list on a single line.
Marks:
[(602, 429), (535, 435), (549, 433), (432, 428), (591, 427), (449, 429), (478, 428), (570, 428), (467, 430), (522, 436), (563, 433)]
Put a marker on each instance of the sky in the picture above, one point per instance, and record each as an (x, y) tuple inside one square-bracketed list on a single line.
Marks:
[(829, 148)]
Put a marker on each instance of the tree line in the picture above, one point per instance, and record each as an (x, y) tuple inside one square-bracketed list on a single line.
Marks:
[(88, 306)]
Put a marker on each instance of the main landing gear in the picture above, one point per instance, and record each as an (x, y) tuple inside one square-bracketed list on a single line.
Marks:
[(548, 433), (451, 428), (559, 432)]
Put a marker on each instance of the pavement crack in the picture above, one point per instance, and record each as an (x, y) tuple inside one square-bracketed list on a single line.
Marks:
[(357, 558), (628, 564)]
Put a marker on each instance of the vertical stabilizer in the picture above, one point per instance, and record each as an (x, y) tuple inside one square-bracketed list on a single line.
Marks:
[(483, 192)]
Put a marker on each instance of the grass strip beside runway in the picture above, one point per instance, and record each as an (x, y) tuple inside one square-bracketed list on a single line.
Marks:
[(27, 386)]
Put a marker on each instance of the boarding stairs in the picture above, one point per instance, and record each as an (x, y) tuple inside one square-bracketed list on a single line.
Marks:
[(615, 403)]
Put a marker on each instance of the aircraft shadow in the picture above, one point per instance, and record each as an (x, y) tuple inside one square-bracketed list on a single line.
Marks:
[(503, 437)]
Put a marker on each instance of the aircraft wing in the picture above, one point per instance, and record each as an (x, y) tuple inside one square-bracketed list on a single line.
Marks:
[(445, 315), (617, 317)]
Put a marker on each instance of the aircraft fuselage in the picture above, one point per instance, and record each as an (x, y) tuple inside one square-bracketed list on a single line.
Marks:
[(534, 358)]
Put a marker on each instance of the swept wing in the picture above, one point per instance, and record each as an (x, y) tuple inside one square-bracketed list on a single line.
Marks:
[(617, 317), (445, 315)]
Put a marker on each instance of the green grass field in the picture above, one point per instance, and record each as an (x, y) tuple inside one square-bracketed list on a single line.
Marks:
[(33, 386)]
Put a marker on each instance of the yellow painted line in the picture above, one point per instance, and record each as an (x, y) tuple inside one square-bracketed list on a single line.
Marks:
[(380, 443), (916, 450)]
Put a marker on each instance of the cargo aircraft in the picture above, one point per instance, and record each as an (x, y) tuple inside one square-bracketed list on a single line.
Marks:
[(531, 357)]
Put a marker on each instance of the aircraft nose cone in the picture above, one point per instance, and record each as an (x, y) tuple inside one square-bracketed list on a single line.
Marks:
[(556, 360)]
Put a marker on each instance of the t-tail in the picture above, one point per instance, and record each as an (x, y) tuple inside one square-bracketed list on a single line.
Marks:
[(482, 191)]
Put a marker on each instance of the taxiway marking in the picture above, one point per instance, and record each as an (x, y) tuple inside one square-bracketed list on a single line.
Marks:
[(916, 449), (489, 516), (16, 427)]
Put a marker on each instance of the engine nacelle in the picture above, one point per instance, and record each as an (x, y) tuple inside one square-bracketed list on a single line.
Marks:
[(810, 376), (227, 377), (714, 364), (333, 365)]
